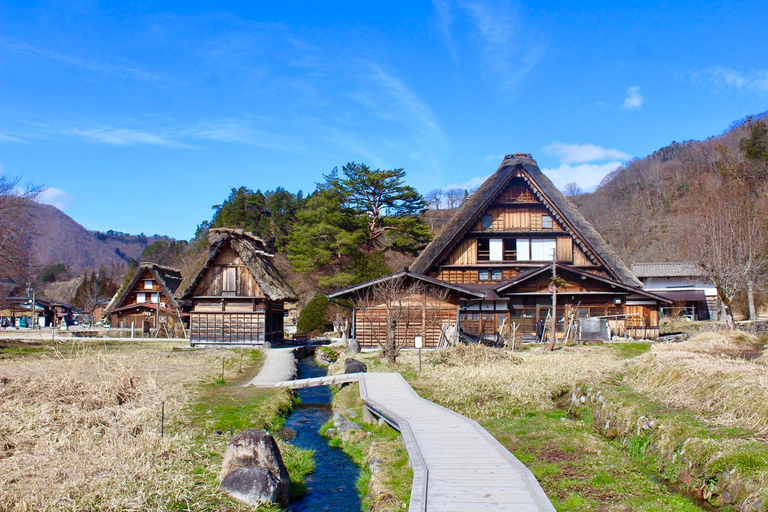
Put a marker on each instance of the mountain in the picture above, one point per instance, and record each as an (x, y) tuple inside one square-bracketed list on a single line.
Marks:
[(57, 238), (646, 208)]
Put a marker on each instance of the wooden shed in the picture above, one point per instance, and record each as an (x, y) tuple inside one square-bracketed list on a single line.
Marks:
[(237, 296)]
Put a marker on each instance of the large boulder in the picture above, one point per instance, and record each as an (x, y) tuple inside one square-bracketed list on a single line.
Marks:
[(354, 366), (253, 470)]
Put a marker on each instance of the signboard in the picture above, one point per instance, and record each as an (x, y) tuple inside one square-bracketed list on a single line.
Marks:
[(418, 342)]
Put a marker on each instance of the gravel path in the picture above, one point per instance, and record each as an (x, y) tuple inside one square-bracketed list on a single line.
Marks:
[(279, 366)]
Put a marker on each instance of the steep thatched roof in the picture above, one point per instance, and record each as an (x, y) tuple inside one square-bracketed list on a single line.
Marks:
[(254, 254), (522, 165), (168, 278)]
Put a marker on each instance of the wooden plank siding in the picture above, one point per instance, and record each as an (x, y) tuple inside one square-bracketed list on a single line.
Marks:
[(226, 327), (414, 319)]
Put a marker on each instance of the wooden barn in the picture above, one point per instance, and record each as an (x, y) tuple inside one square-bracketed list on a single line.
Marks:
[(493, 261), (148, 300), (237, 296)]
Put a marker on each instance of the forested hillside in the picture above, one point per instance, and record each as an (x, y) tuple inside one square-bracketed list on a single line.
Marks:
[(700, 201)]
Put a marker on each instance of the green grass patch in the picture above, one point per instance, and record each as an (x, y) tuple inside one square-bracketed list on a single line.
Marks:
[(224, 408), (629, 350)]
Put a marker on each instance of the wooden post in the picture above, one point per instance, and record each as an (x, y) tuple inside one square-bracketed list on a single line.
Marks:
[(553, 320)]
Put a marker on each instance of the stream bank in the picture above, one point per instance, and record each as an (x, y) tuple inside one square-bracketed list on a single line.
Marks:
[(332, 486)]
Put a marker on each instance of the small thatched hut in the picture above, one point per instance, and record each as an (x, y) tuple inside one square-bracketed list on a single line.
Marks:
[(237, 296)]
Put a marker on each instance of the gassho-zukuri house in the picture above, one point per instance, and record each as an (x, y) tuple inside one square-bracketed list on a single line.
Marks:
[(492, 264), (237, 296), (149, 297)]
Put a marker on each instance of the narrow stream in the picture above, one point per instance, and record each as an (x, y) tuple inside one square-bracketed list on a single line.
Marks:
[(332, 485)]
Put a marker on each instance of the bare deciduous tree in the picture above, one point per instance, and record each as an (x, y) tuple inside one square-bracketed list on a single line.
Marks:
[(728, 241), (15, 219), (454, 197), (572, 189), (410, 308), (434, 198)]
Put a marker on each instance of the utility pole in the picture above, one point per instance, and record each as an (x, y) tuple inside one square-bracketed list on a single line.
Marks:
[(553, 319)]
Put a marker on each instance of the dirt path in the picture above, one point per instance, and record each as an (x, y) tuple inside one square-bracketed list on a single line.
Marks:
[(279, 366)]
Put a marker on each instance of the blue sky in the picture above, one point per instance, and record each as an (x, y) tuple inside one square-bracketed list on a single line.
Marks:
[(139, 117)]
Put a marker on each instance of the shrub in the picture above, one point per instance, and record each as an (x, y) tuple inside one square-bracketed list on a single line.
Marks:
[(313, 316)]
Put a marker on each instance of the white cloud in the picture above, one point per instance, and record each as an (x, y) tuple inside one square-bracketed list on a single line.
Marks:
[(585, 164), (101, 67), (468, 184), (633, 100), (55, 197), (12, 138), (120, 136), (507, 47), (721, 78), (588, 176), (578, 153)]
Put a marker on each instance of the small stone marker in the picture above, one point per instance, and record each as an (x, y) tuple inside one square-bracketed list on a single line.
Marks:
[(253, 471)]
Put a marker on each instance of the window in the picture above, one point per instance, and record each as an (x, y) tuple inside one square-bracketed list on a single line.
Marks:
[(483, 275), (542, 249), (486, 222), (141, 297), (483, 249), (155, 297), (523, 250), (229, 280), (546, 222), (496, 249), (496, 275), (148, 284)]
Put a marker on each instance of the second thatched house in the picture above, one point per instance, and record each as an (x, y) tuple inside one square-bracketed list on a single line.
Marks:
[(148, 299), (237, 296)]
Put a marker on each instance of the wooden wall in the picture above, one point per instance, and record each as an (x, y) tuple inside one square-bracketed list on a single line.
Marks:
[(413, 319), (211, 282), (247, 328)]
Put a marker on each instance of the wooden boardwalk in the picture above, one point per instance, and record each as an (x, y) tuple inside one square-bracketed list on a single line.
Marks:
[(343, 378), (457, 465)]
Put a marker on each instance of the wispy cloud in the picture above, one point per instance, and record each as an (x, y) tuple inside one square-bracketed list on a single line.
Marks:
[(388, 98), (721, 78), (585, 164), (633, 100), (55, 197), (81, 62), (244, 131), (120, 136), (505, 48), (12, 138), (578, 153)]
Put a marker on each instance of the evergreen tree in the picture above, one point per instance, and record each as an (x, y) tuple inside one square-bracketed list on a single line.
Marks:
[(326, 236), (390, 207)]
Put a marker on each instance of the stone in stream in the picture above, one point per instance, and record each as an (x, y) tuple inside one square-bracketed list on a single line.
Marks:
[(354, 366), (253, 470)]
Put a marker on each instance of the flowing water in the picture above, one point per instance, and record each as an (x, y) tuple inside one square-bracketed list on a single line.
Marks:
[(332, 485)]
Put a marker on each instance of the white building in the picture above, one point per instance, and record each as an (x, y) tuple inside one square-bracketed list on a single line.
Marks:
[(694, 295)]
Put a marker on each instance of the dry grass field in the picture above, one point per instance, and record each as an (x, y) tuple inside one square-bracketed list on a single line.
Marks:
[(80, 425)]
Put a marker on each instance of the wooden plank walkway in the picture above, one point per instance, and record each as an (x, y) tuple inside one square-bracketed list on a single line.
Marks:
[(458, 466), (343, 378)]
